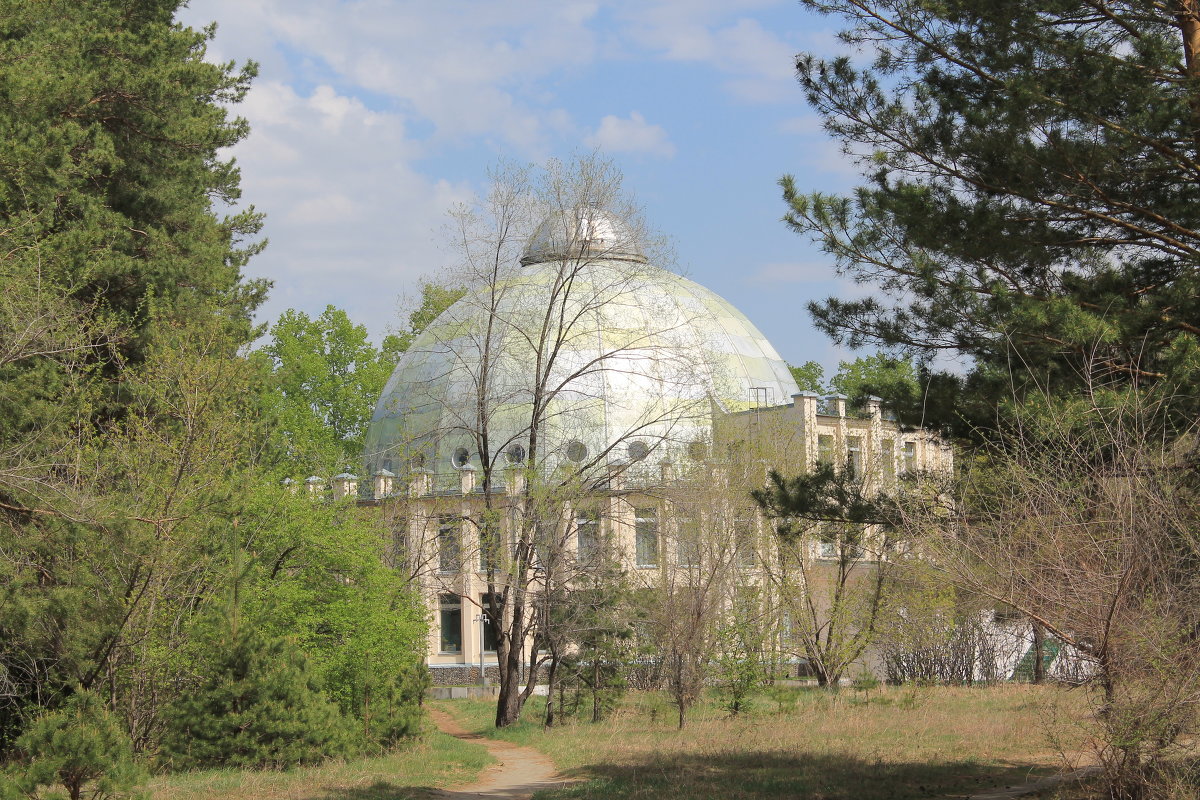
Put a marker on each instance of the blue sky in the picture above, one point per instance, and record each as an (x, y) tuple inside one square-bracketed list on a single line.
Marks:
[(371, 118)]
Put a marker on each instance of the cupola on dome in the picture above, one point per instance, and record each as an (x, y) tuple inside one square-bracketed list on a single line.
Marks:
[(583, 232)]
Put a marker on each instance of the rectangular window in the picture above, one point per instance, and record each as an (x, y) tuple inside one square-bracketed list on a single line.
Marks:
[(449, 544), (788, 631), (825, 448), (745, 541), (489, 546), (854, 454), (910, 456), (887, 458), (688, 549), (544, 532), (827, 550), (489, 630), (450, 623), (587, 536), (646, 537)]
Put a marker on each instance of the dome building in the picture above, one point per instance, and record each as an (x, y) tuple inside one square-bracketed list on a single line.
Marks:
[(633, 358), (581, 402)]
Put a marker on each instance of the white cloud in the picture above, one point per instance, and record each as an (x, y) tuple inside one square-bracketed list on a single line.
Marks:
[(759, 62), (461, 66), (357, 100), (632, 135), (351, 222)]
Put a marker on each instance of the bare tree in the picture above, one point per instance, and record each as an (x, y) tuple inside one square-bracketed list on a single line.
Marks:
[(564, 364), (1088, 526)]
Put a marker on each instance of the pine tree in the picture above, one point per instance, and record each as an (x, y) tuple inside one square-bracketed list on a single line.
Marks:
[(122, 308), (1033, 192), (112, 126), (259, 707), (81, 747)]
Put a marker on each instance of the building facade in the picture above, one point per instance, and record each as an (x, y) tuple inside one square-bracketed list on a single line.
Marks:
[(582, 406)]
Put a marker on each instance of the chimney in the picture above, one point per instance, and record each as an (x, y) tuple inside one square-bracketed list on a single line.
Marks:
[(875, 408), (382, 484), (345, 485), (837, 404)]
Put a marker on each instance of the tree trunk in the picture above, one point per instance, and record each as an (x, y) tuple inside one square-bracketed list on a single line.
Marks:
[(551, 685), (1188, 18), (508, 704), (1039, 649), (680, 689), (595, 689)]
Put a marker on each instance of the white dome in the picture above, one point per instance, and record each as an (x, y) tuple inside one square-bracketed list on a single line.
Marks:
[(637, 371)]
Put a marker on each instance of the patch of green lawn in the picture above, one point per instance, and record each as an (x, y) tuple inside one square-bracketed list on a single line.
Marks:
[(436, 761)]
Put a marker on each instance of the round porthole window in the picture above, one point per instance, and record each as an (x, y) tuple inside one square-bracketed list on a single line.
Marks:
[(515, 454), (576, 451), (638, 450), (462, 456)]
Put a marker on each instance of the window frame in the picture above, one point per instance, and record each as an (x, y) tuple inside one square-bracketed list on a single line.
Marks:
[(449, 530), (449, 603), (646, 527)]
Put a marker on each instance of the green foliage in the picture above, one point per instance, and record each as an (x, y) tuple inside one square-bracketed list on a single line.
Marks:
[(833, 616), (136, 440), (327, 376), (317, 575), (258, 705), (894, 379), (824, 495), (126, 412), (112, 125), (739, 666), (392, 707), (435, 298), (809, 376), (81, 747), (878, 375), (1031, 195), (601, 629)]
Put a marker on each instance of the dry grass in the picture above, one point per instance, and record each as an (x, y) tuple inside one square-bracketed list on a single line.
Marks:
[(893, 743), (435, 762)]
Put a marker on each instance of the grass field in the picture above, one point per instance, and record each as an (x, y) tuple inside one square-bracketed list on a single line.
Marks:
[(889, 744), (435, 762)]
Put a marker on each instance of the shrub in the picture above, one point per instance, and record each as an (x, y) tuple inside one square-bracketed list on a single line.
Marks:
[(81, 747), (260, 707), (395, 707)]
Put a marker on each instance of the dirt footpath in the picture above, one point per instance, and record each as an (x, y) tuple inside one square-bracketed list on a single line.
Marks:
[(521, 771)]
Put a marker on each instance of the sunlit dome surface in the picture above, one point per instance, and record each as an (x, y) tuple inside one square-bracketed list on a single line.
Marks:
[(638, 374), (584, 232)]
